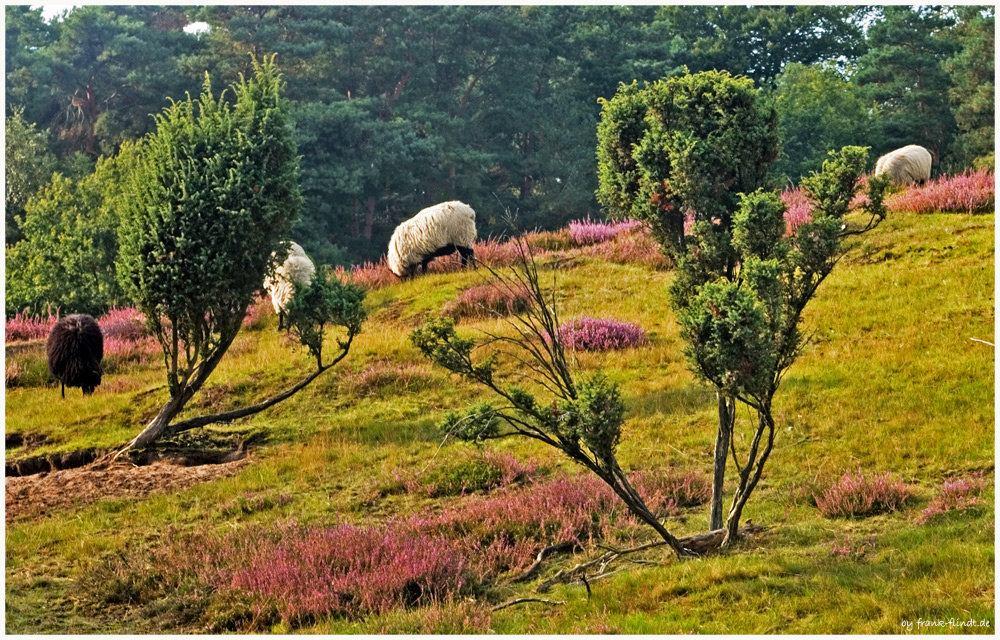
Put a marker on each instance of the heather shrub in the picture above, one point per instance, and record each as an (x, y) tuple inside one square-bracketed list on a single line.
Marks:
[(258, 312), (960, 494), (587, 232), (797, 209), (601, 334), (345, 569), (24, 326), (860, 495), (970, 192), (489, 300), (123, 323), (386, 375), (672, 488), (637, 246)]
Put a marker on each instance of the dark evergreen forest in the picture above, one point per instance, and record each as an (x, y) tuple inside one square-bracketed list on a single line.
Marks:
[(398, 108)]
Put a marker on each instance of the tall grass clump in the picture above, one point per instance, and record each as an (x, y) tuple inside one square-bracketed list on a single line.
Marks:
[(859, 495), (601, 334), (959, 494), (481, 472), (386, 375), (489, 300), (970, 192)]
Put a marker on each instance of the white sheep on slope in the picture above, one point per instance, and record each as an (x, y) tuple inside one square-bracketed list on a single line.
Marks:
[(436, 231), (907, 165), (297, 268)]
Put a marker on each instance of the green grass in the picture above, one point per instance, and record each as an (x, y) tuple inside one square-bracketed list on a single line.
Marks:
[(892, 382)]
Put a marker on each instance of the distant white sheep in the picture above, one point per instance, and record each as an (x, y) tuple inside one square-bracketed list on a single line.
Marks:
[(436, 231), (297, 268), (907, 165)]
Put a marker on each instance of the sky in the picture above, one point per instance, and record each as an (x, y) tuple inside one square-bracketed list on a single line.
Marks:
[(50, 11)]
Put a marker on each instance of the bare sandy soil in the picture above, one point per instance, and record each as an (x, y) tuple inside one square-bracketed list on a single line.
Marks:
[(35, 495)]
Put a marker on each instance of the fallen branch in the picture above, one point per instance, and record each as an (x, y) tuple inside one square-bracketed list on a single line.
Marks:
[(983, 341), (521, 600), (700, 544), (569, 545)]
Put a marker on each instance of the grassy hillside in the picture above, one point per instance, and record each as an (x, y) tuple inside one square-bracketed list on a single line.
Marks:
[(891, 383)]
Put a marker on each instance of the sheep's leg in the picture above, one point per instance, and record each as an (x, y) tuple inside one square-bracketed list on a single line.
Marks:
[(62, 389), (281, 320), (467, 254)]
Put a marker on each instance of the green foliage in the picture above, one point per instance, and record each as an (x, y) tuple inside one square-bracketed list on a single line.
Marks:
[(902, 74), (818, 109), (973, 84), (67, 256), (325, 301), (689, 143), (212, 197), (28, 165)]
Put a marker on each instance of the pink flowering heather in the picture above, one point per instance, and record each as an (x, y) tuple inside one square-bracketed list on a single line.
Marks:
[(601, 334), (258, 312), (970, 192), (124, 323), (24, 326), (349, 569), (635, 247), (858, 495), (489, 300), (586, 232), (548, 240), (798, 210), (955, 495)]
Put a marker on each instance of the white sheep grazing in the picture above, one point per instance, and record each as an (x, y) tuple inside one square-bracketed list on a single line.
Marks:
[(436, 231), (297, 268), (907, 165)]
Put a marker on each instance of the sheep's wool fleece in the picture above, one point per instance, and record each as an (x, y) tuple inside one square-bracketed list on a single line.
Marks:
[(435, 227), (296, 268), (906, 165)]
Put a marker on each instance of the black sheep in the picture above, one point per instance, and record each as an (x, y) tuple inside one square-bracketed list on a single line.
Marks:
[(75, 349)]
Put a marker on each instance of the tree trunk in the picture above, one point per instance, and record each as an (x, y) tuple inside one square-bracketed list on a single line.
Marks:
[(726, 415), (156, 428)]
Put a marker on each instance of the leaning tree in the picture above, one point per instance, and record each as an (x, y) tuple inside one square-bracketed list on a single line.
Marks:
[(690, 155), (213, 198)]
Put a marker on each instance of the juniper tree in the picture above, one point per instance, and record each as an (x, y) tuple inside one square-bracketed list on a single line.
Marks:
[(212, 200), (690, 155), (581, 418), (676, 154)]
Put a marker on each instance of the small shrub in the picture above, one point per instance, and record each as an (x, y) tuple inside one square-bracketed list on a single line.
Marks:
[(955, 495), (858, 495), (679, 489), (970, 192), (601, 334), (489, 300)]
